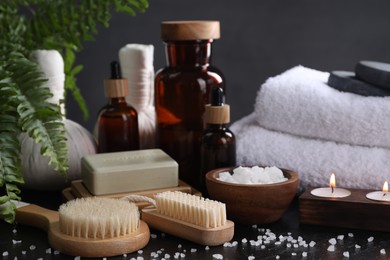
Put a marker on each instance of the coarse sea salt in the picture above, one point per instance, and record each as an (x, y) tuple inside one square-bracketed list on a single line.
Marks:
[(253, 175)]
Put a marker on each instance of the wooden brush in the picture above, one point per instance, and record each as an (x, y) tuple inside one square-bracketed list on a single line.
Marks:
[(89, 227), (191, 217)]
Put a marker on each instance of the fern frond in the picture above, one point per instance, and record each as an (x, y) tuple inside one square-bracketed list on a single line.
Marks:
[(36, 115), (10, 162)]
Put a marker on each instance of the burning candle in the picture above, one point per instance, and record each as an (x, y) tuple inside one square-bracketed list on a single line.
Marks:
[(380, 195), (331, 191)]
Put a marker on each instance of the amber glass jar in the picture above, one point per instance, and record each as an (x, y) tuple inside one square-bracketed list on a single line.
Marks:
[(182, 90), (117, 121)]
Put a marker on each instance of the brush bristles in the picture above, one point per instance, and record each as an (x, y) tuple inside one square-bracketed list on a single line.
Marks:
[(191, 209), (98, 218)]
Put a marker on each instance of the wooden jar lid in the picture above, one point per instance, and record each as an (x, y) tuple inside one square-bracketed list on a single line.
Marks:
[(116, 88), (190, 30)]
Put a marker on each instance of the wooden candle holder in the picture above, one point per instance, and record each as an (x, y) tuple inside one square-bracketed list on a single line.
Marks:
[(354, 211)]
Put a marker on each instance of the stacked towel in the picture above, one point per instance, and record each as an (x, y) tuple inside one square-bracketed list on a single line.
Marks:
[(302, 124), (299, 102)]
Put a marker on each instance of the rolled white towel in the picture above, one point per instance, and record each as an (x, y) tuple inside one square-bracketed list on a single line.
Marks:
[(355, 166), (52, 66), (136, 62), (300, 102)]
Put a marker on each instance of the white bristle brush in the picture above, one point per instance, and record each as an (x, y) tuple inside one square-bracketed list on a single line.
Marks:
[(89, 227), (191, 217)]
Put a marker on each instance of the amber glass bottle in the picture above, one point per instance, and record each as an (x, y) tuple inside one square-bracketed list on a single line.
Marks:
[(182, 90), (218, 143), (117, 121)]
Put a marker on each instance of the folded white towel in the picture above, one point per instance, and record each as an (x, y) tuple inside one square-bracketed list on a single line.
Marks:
[(355, 166), (300, 102)]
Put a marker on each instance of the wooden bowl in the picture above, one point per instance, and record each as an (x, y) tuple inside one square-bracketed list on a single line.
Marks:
[(253, 203)]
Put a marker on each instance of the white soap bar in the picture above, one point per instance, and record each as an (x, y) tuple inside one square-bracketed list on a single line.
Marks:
[(131, 171)]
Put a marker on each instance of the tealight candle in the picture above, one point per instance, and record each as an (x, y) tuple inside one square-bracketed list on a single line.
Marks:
[(380, 195), (332, 191)]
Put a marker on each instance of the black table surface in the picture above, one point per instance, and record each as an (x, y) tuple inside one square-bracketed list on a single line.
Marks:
[(24, 242)]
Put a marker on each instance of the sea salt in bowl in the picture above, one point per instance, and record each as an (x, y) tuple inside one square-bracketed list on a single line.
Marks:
[(252, 203)]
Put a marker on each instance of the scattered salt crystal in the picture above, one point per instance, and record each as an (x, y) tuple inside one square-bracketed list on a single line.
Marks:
[(235, 243), (262, 247), (167, 256), (383, 251), (48, 251), (294, 241), (340, 237), (104, 258), (244, 240), (41, 258), (182, 255), (153, 236), (346, 254), (289, 238), (277, 257), (14, 231), (140, 252), (304, 254), (288, 245), (207, 248), (312, 243), (293, 254), (357, 246), (77, 258), (370, 239), (251, 257), (124, 255), (159, 252), (5, 253), (193, 250), (331, 248), (350, 234), (254, 226), (16, 241), (179, 246), (267, 242), (289, 233), (24, 252), (140, 258), (295, 245), (332, 241), (277, 243), (32, 247), (217, 256)]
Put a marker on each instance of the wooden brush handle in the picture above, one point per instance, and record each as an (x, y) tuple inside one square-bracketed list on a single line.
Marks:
[(36, 216)]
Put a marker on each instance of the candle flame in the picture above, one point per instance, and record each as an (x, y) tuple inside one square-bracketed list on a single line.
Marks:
[(385, 187), (332, 182)]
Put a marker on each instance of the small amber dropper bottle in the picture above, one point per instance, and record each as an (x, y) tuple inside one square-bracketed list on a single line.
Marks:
[(218, 143), (117, 121)]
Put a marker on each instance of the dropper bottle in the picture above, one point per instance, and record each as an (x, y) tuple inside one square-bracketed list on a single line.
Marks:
[(218, 143), (117, 121)]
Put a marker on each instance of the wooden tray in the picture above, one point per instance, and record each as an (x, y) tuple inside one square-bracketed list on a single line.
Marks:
[(79, 190)]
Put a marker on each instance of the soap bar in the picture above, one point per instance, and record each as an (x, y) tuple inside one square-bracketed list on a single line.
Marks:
[(347, 82), (109, 173), (374, 72)]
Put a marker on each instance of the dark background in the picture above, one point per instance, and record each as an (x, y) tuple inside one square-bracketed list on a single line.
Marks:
[(259, 39)]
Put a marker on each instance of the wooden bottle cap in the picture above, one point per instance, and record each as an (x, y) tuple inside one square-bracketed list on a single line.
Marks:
[(116, 88), (190, 30), (217, 115)]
